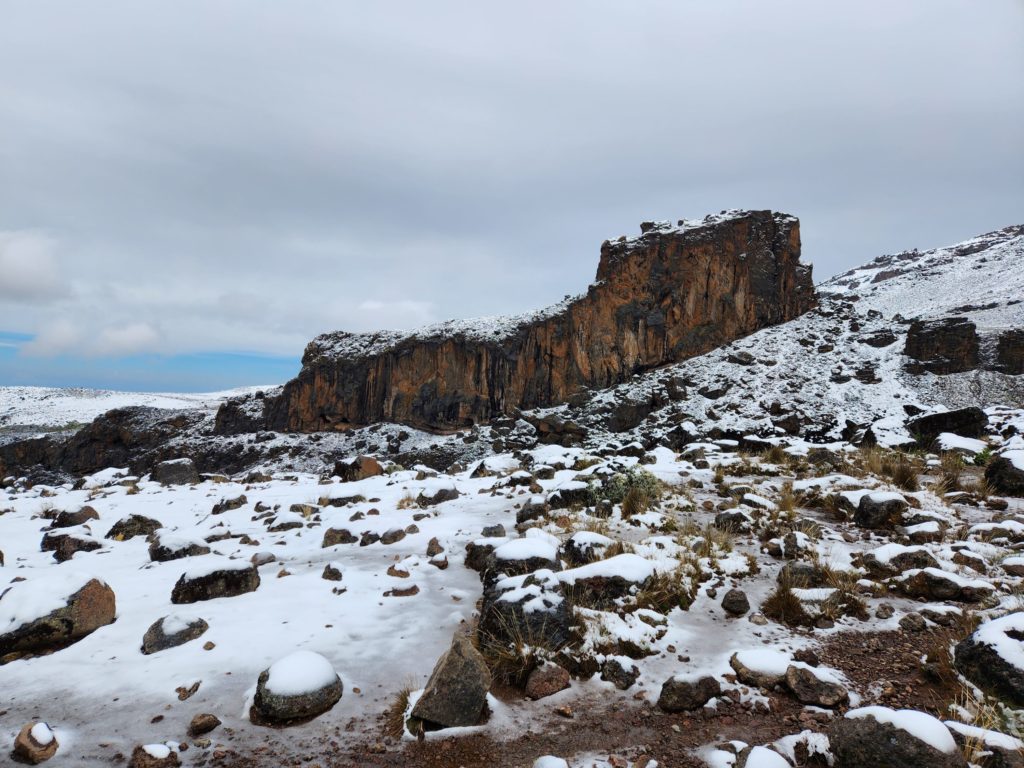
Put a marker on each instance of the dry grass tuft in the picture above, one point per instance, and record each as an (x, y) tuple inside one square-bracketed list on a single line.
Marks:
[(394, 715)]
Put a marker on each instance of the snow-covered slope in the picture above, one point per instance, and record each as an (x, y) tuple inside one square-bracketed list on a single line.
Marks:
[(57, 407)]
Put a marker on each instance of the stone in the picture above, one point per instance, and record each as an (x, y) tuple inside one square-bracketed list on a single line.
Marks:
[(620, 672), (172, 631), (1005, 476), (936, 584), (681, 695), (809, 688), (1010, 352), (90, 606), (943, 346), (546, 680), (229, 505), (392, 536), (70, 519), (331, 572), (434, 548), (456, 693), (913, 622), (439, 496), (493, 531), (154, 756), (864, 742), (670, 294), (335, 536), (978, 659), (735, 602), (756, 678), (176, 472), (359, 468), (202, 724), (966, 422), (229, 581), (279, 700), (35, 744), (165, 546), (65, 545), (880, 510), (263, 558), (132, 526)]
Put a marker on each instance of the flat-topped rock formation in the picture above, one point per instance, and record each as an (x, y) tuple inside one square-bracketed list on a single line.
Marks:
[(672, 292)]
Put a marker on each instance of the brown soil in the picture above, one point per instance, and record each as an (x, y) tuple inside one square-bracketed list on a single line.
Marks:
[(884, 668)]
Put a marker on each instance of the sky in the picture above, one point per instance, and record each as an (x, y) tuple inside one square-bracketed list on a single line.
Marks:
[(191, 190)]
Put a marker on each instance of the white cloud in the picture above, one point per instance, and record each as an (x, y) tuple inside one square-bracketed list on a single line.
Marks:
[(28, 267), (64, 337), (54, 338), (127, 340)]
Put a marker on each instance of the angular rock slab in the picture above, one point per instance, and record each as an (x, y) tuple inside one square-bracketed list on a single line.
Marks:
[(229, 581), (456, 693)]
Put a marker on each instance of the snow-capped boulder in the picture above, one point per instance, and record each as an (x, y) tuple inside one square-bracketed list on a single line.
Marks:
[(993, 657), (335, 536), (936, 584), (620, 671), (358, 468), (67, 519), (64, 543), (878, 737), (815, 686), (585, 546), (456, 692), (165, 546), (132, 526), (176, 472), (300, 686), (1006, 473), (965, 422), (35, 744), (892, 559), (154, 756), (760, 757), (680, 694), (222, 579), (172, 631), (48, 612), (599, 584)]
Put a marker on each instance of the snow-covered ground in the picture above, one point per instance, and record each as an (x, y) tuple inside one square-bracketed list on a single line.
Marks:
[(52, 407)]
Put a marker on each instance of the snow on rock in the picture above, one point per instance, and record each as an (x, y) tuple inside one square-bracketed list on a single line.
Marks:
[(550, 761), (947, 441), (299, 673), (42, 734), (527, 549), (920, 725), (27, 601)]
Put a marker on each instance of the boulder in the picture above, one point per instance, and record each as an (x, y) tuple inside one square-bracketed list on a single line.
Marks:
[(229, 505), (991, 657), (1010, 352), (172, 631), (65, 545), (154, 756), (811, 686), (359, 468), (202, 724), (228, 579), (296, 688), (1006, 474), (735, 602), (335, 536), (936, 584), (49, 612), (762, 669), (685, 695), (456, 693), (70, 519), (165, 546), (35, 744), (176, 472), (943, 346), (546, 680), (439, 496), (880, 509), (878, 737), (966, 422), (132, 526)]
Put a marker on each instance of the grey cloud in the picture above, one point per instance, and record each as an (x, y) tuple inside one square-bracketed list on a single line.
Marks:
[(239, 176)]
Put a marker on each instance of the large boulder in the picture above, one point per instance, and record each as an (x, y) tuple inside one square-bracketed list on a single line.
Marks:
[(880, 509), (680, 694), (224, 579), (300, 686), (64, 543), (49, 612), (176, 472), (359, 468), (172, 631), (993, 657), (165, 546), (966, 422), (1005, 473), (456, 693), (878, 737), (67, 519), (936, 584), (946, 345), (35, 744), (1010, 352), (815, 686), (132, 526)]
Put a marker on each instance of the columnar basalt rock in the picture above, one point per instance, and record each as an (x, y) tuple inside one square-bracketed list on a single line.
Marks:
[(671, 293)]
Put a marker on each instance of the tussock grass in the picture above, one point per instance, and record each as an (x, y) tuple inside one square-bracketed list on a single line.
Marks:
[(394, 715)]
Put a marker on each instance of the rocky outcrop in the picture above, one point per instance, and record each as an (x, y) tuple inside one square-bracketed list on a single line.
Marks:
[(1010, 352), (946, 345), (669, 294)]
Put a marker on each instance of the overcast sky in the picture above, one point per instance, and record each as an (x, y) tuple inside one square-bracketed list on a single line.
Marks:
[(191, 190)]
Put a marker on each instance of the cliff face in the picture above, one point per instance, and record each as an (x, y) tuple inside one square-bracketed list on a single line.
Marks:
[(669, 294)]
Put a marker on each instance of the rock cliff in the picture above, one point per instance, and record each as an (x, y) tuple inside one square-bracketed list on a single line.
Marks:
[(672, 292)]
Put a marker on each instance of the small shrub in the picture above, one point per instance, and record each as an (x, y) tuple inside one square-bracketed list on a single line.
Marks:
[(394, 716), (668, 590), (902, 472), (783, 605), (776, 455), (950, 468), (982, 458), (787, 499), (407, 501), (645, 484)]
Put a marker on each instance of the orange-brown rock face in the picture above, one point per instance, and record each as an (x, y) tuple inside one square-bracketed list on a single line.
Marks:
[(671, 293)]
